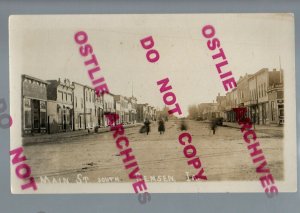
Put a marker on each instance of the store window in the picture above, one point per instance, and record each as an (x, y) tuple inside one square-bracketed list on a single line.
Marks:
[(27, 119), (43, 119), (27, 114)]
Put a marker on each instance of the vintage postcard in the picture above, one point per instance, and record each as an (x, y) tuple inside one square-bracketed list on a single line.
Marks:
[(153, 103)]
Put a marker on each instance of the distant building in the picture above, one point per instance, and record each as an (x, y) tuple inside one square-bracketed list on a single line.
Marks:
[(221, 105), (123, 108), (34, 105), (260, 93), (132, 108), (90, 108), (243, 93), (99, 104), (207, 111), (60, 105), (142, 112), (109, 105), (79, 106), (231, 102)]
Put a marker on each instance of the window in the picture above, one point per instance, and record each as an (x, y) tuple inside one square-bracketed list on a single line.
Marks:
[(28, 119), (265, 88), (60, 95), (27, 113), (27, 103), (273, 111), (67, 118), (76, 102), (70, 97), (59, 117), (42, 105), (43, 119), (281, 110), (66, 96)]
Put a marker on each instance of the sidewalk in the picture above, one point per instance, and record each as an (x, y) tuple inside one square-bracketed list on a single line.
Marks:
[(58, 137), (276, 131)]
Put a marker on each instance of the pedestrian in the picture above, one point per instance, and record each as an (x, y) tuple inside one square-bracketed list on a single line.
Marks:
[(147, 125), (213, 125), (183, 126), (161, 126)]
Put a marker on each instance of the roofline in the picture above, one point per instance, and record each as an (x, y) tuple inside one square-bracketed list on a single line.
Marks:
[(34, 78)]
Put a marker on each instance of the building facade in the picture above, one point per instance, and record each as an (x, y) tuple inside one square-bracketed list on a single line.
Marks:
[(55, 106), (78, 106), (276, 103), (261, 94), (99, 104), (60, 105), (109, 106), (34, 105), (141, 112), (90, 108)]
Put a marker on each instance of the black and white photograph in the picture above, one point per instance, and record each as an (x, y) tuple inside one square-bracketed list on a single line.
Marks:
[(64, 126)]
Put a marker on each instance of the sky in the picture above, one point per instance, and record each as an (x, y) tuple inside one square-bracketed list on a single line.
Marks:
[(44, 47)]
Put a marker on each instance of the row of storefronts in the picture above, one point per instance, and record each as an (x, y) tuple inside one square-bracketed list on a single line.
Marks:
[(59, 106), (262, 94)]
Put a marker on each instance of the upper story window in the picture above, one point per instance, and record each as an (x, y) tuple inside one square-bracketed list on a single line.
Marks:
[(60, 95)]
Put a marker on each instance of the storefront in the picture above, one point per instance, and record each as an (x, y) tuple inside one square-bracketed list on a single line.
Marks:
[(34, 107), (276, 104)]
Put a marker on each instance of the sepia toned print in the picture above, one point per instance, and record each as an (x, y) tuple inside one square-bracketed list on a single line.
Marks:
[(65, 86)]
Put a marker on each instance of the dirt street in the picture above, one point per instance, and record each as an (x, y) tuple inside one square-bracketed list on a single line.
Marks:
[(224, 155)]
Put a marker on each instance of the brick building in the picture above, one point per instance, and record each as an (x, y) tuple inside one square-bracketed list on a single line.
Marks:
[(34, 105)]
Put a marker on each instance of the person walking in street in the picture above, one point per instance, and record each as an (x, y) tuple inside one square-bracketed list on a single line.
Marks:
[(213, 125), (147, 125), (161, 126), (183, 126)]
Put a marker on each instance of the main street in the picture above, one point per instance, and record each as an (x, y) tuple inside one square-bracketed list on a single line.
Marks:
[(223, 155)]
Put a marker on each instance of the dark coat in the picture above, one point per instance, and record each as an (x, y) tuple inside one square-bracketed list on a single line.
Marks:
[(161, 126)]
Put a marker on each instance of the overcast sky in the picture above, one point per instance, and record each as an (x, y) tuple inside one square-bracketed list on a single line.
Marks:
[(44, 47)]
